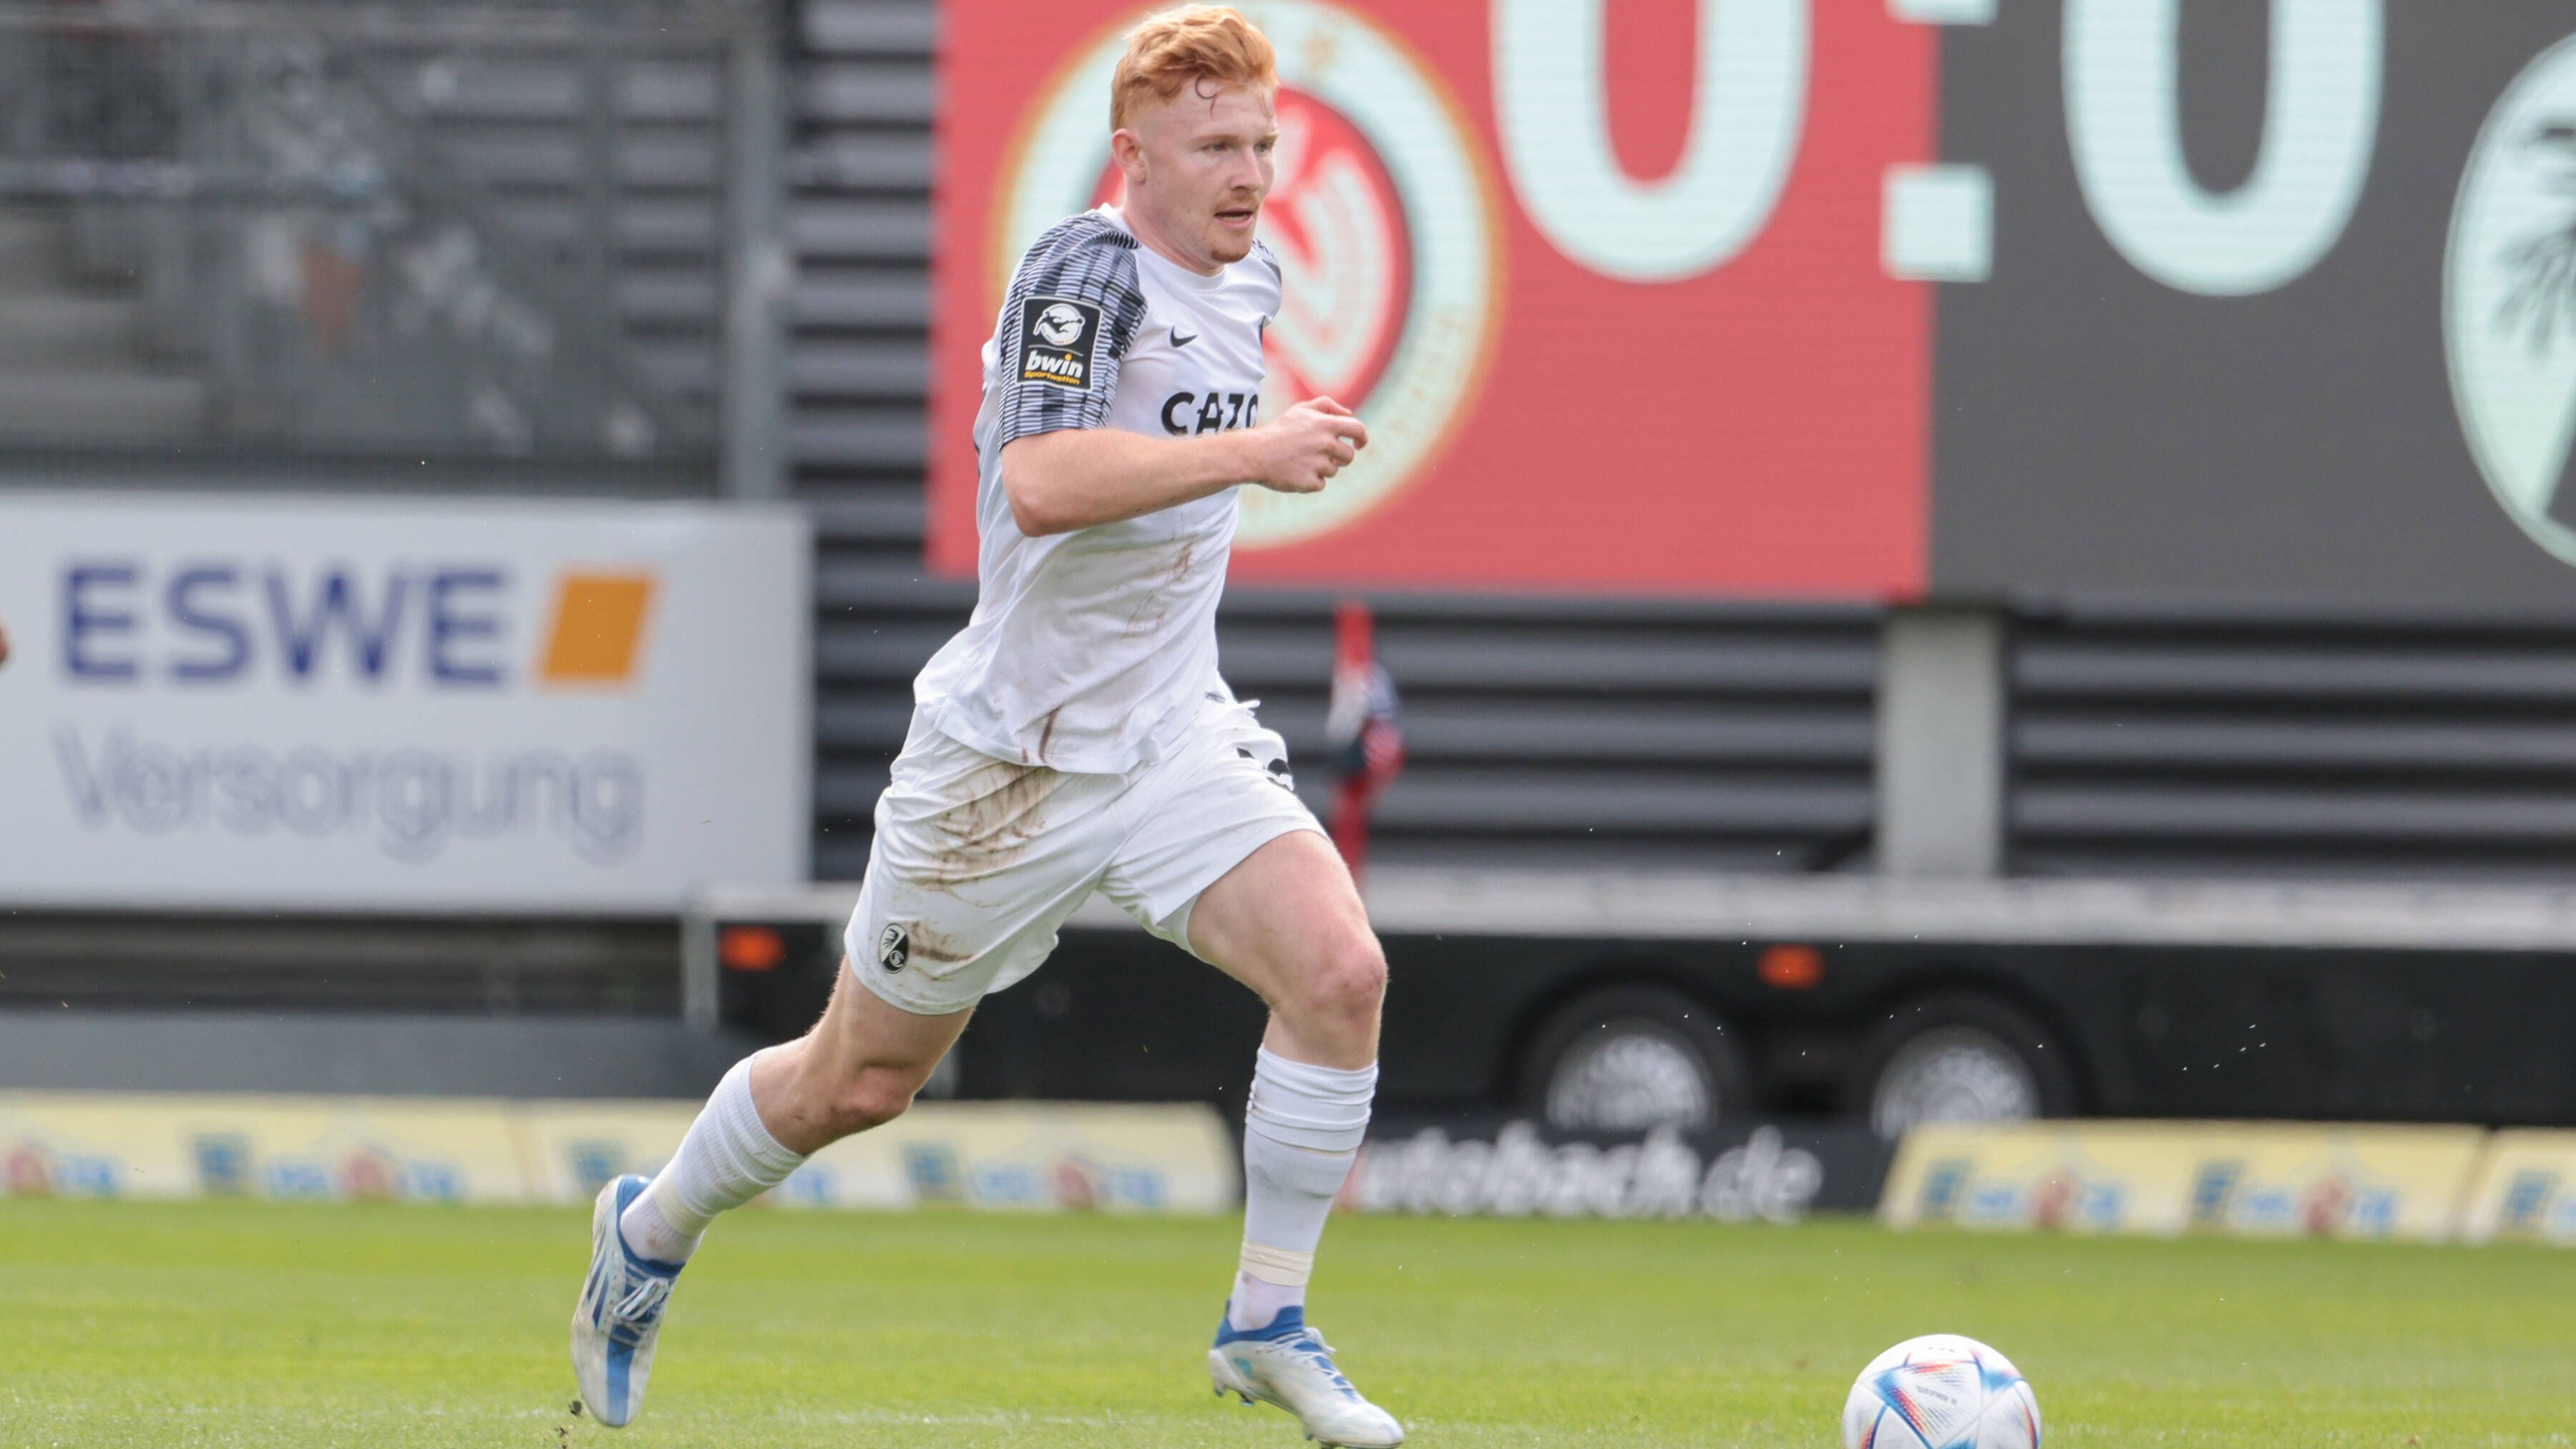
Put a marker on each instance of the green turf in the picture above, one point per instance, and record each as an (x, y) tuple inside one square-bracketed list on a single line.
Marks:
[(251, 1324)]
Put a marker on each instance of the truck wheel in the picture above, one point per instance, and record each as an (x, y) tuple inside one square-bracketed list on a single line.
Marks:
[(1960, 1057), (1633, 1057)]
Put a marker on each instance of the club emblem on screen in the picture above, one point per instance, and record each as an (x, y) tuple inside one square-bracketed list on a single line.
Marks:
[(1382, 216), (2509, 301)]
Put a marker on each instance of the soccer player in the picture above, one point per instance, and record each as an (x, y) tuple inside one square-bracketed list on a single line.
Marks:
[(1076, 736)]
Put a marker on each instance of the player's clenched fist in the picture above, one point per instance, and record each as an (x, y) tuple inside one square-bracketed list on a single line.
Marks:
[(1305, 446)]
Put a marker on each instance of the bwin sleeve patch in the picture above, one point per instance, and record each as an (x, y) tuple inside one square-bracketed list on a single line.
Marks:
[(1059, 342), (1075, 304)]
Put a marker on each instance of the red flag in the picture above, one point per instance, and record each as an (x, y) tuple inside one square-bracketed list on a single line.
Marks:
[(1365, 744)]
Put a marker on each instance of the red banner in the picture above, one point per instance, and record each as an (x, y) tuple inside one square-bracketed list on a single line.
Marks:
[(1608, 288)]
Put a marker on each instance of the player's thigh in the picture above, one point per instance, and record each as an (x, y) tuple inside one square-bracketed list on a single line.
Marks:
[(857, 1068), (862, 1029), (1223, 859), (1287, 921)]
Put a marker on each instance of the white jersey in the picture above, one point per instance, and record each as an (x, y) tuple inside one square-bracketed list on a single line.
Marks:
[(1086, 646)]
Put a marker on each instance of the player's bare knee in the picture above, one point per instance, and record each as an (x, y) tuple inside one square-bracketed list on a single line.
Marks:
[(871, 1097), (1346, 984)]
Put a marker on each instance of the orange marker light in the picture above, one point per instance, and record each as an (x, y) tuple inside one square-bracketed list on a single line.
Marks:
[(1792, 968), (750, 948)]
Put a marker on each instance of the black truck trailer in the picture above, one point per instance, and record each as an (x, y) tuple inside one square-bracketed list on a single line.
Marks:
[(1621, 1001)]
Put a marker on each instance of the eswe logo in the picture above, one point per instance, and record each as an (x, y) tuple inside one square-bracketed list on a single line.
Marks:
[(453, 625)]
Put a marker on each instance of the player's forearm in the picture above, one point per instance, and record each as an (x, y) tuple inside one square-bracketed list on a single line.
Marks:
[(1081, 478)]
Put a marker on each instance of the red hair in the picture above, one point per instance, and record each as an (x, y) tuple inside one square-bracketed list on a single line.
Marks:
[(1180, 47)]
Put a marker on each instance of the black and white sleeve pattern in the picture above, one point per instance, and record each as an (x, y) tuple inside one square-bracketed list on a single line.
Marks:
[(1074, 306), (1269, 261)]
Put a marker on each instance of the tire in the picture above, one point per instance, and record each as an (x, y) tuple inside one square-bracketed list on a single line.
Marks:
[(1959, 1056), (1630, 1058)]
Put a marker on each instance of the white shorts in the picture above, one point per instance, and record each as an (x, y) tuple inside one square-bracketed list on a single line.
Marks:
[(978, 861)]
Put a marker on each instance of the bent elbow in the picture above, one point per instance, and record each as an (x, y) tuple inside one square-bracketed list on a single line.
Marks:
[(1036, 504), (1030, 511)]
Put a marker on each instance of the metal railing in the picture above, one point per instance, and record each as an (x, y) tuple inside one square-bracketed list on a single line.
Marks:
[(500, 231)]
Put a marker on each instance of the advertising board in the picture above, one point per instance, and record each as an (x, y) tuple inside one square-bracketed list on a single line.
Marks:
[(337, 704), (1512, 1167), (2525, 1190), (1007, 1156), (2098, 301), (1016, 1156), (303, 1149), (2246, 1179)]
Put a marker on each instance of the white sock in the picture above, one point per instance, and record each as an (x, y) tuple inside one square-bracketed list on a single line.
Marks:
[(727, 1159), (1258, 1302), (1301, 1131)]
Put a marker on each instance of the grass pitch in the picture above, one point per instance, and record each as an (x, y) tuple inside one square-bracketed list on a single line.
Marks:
[(254, 1324)]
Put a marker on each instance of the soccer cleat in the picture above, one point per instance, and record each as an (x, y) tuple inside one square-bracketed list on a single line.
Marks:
[(1290, 1365), (620, 1313)]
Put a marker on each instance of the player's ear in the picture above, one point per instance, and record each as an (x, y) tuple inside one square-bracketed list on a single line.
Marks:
[(1128, 150)]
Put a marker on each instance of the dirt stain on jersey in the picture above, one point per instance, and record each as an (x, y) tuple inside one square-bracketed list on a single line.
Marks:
[(1046, 733), (1157, 603)]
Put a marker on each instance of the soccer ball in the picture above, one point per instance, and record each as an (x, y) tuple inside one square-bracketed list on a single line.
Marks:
[(1941, 1391)]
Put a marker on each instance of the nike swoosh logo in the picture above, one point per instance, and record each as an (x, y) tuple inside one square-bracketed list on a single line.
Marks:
[(1179, 341)]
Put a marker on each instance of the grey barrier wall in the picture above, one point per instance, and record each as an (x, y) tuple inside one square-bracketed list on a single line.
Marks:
[(2189, 743)]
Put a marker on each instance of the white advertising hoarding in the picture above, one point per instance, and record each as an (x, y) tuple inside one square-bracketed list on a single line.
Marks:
[(336, 704)]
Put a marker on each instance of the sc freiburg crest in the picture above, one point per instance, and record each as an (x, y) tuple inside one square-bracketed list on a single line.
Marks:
[(2509, 301)]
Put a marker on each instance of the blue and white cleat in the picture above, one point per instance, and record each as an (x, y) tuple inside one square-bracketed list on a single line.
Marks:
[(620, 1313), (1290, 1365)]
